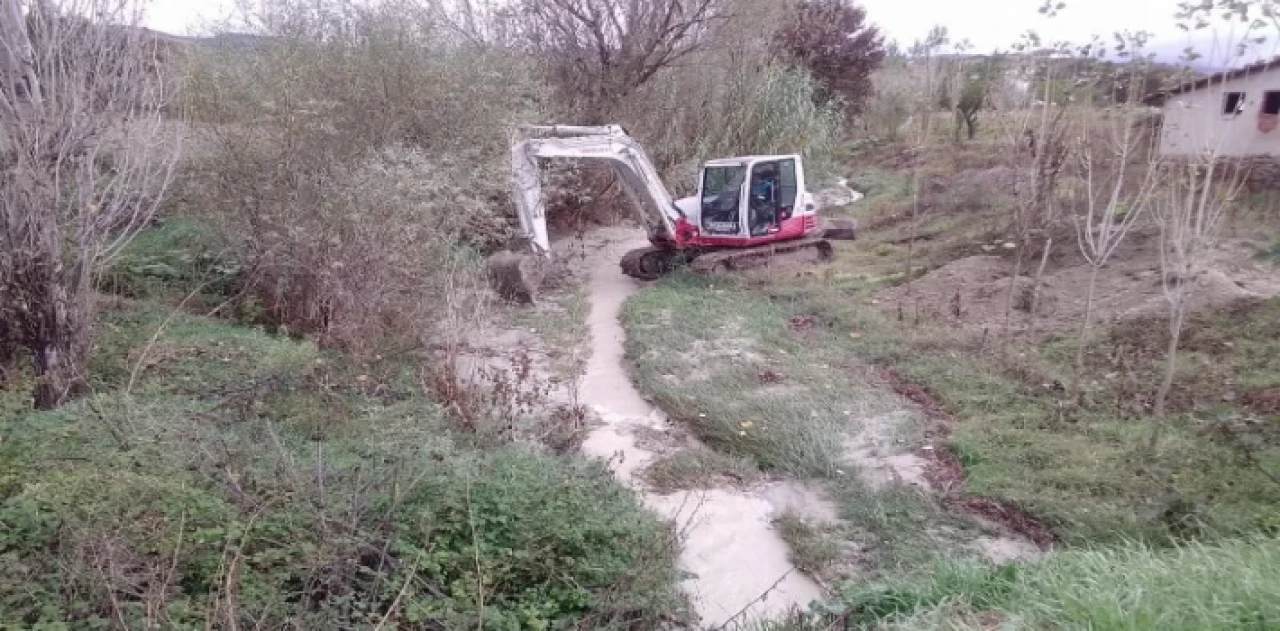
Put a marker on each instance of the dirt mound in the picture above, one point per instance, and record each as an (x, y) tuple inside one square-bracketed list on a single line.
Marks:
[(975, 293)]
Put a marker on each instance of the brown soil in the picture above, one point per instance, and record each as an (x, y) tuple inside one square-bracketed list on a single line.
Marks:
[(945, 472), (974, 293), (1265, 401)]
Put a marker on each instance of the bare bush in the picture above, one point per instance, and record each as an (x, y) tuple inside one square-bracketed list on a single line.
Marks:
[(359, 164), (598, 52), (1119, 163), (84, 159), (1193, 201)]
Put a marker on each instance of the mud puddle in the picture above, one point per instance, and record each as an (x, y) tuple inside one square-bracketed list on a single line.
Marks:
[(738, 564)]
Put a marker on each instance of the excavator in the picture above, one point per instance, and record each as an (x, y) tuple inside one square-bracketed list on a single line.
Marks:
[(748, 210)]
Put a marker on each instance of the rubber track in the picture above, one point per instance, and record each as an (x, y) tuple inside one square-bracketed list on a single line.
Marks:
[(631, 263), (747, 257)]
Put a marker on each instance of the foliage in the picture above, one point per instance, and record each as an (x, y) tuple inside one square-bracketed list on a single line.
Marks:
[(764, 109), (1231, 585), (223, 477), (832, 40), (359, 172), (972, 86)]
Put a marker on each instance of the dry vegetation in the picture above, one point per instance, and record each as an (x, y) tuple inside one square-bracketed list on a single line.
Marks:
[(264, 402), (256, 367), (1091, 347)]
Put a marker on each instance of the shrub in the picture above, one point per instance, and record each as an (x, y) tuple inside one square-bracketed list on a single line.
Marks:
[(832, 40), (358, 165), (252, 480)]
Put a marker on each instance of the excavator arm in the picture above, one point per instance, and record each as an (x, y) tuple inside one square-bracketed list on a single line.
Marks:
[(640, 181)]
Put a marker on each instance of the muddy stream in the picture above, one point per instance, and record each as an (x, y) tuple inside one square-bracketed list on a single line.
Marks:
[(736, 560)]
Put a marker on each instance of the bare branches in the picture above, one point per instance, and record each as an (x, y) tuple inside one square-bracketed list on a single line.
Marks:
[(84, 159), (1195, 198), (600, 51), (1120, 166)]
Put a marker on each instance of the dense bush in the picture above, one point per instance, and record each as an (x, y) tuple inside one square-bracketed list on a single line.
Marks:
[(256, 481), (832, 40), (357, 161)]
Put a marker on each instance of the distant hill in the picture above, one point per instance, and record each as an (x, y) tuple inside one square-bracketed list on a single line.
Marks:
[(226, 41)]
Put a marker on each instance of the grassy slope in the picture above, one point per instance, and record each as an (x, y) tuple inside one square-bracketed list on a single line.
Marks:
[(763, 378), (246, 479), (1080, 469)]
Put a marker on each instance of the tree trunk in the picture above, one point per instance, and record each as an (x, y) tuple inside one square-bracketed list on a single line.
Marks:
[(1013, 287), (1036, 284), (1084, 327), (971, 125), (55, 342), (1170, 369)]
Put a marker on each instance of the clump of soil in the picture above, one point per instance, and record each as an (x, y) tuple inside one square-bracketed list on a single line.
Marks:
[(979, 294)]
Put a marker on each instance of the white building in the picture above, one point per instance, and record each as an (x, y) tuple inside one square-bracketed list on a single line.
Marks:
[(1232, 114)]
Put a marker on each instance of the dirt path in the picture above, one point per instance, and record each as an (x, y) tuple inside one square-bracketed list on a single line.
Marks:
[(730, 547)]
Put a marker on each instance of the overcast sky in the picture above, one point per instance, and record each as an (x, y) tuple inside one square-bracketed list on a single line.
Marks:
[(988, 24)]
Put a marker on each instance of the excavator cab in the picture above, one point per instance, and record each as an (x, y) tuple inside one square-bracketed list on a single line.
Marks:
[(752, 198)]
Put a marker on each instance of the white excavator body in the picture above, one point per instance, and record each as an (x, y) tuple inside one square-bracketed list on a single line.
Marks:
[(746, 209)]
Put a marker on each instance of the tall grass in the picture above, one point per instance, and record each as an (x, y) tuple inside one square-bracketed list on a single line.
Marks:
[(1231, 585)]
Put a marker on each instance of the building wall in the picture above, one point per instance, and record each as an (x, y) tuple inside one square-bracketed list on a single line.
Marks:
[(1194, 122)]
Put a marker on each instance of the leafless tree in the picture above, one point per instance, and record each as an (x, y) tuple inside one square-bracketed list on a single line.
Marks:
[(600, 51), (1119, 164), (84, 159), (1194, 199)]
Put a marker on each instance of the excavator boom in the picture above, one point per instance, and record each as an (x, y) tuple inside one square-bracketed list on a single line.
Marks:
[(640, 181)]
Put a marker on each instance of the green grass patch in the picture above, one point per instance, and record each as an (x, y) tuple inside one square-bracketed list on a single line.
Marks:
[(815, 548), (699, 468), (247, 479), (752, 376), (171, 259), (1230, 585)]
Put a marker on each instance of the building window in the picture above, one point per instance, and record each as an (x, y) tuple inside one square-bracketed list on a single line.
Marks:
[(1271, 102), (1233, 103)]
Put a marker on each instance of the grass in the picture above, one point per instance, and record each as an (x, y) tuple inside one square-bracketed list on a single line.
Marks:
[(220, 476), (699, 468), (751, 376), (1230, 585), (707, 350), (176, 253), (814, 548), (559, 319)]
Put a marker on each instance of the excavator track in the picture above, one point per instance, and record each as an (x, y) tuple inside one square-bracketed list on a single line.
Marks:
[(651, 263), (724, 261)]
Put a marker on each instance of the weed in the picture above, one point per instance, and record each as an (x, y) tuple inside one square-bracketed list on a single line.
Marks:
[(247, 480), (1233, 585), (814, 548), (699, 468)]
